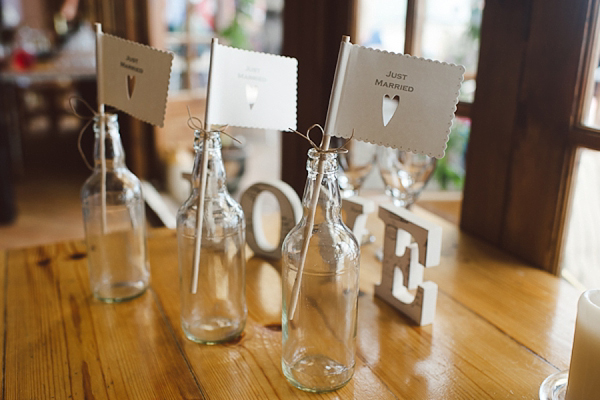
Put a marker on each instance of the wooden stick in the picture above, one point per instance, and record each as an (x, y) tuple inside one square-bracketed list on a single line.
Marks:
[(100, 90), (334, 101), (202, 189)]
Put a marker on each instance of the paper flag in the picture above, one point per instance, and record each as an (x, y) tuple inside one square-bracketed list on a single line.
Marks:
[(397, 100), (252, 90), (135, 78)]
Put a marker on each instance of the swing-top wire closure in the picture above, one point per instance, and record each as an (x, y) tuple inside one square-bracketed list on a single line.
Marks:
[(89, 119), (320, 150), (195, 124)]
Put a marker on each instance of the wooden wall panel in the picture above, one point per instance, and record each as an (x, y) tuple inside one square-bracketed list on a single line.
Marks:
[(504, 32), (313, 30)]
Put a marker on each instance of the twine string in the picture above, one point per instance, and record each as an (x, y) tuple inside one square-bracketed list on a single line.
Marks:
[(322, 150), (88, 118), (196, 124), (319, 149)]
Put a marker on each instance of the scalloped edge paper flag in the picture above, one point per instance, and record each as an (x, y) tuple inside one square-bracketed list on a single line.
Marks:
[(252, 90), (135, 78), (396, 100)]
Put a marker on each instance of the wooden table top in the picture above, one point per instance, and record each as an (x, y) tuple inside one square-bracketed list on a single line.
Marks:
[(501, 327)]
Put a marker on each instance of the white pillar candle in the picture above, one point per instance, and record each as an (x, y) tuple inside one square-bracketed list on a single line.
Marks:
[(584, 373)]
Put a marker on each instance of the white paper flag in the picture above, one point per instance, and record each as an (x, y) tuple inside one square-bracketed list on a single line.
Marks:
[(134, 78), (251, 89), (397, 100)]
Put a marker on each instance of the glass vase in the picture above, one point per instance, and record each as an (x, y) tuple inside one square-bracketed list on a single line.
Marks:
[(319, 330), (114, 221), (213, 307)]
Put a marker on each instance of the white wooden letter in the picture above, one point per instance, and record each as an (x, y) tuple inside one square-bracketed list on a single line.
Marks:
[(290, 208), (356, 210), (425, 251)]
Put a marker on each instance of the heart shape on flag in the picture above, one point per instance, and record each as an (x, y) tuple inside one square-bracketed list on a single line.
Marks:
[(130, 85), (389, 107), (251, 94)]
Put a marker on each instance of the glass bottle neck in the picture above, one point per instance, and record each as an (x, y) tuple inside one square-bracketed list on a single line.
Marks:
[(329, 203), (113, 148), (215, 176)]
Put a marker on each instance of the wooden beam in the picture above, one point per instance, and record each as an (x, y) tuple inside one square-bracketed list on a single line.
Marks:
[(312, 33), (504, 32), (585, 137)]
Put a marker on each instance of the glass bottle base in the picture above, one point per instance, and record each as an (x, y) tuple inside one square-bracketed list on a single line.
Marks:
[(317, 373), (554, 386), (212, 330), (120, 291)]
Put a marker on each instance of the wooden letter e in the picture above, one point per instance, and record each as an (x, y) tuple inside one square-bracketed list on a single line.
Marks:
[(423, 252)]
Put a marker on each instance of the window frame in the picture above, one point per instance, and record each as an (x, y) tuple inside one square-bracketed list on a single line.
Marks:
[(521, 160), (582, 135)]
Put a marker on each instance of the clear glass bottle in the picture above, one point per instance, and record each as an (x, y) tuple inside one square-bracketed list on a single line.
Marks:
[(116, 238), (319, 335), (217, 311)]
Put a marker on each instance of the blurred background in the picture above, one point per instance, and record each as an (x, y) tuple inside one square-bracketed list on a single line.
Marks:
[(521, 167), (47, 56)]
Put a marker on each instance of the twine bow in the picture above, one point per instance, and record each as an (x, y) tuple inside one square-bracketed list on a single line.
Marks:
[(89, 120), (319, 149), (196, 124)]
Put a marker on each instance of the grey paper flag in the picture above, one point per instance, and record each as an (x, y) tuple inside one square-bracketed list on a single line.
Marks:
[(397, 100), (135, 78)]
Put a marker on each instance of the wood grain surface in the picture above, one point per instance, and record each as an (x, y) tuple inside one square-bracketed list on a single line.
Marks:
[(501, 327)]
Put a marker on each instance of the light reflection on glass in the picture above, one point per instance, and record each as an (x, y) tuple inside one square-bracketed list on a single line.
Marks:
[(581, 253), (591, 101), (381, 24), (451, 33)]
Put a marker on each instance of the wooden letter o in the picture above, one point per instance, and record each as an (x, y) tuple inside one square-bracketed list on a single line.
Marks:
[(290, 208)]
